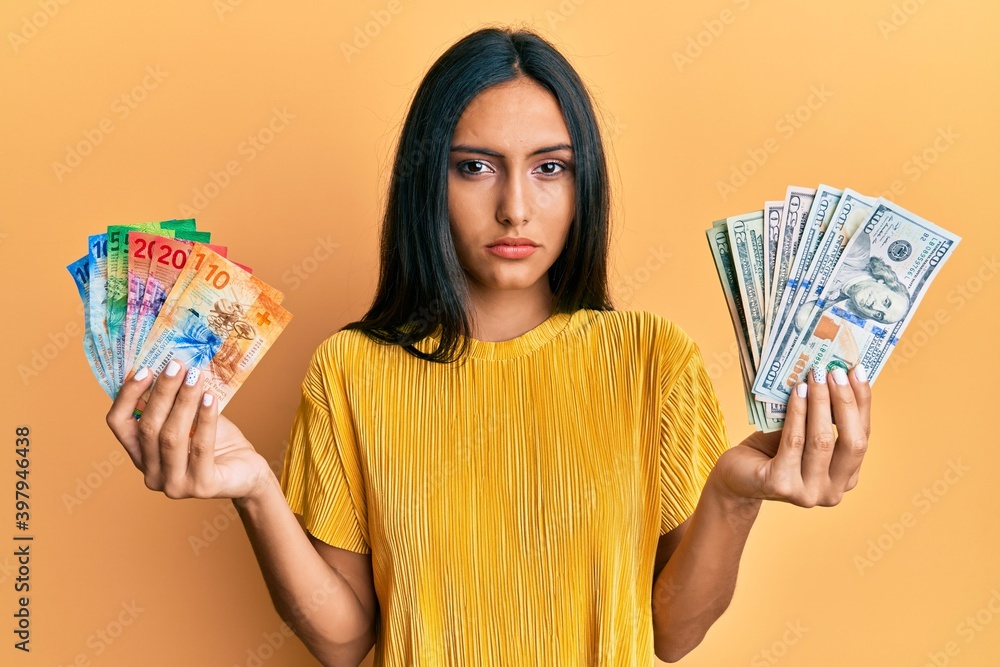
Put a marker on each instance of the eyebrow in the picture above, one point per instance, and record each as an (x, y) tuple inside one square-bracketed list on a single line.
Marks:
[(465, 148)]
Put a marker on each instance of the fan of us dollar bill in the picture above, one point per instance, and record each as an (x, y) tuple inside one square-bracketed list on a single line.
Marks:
[(158, 291), (824, 277)]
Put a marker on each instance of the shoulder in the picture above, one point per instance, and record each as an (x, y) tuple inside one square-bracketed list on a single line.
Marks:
[(646, 342), (333, 367), (671, 355), (327, 362), (343, 346), (645, 330)]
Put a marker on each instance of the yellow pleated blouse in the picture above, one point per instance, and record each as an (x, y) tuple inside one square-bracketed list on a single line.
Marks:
[(512, 505)]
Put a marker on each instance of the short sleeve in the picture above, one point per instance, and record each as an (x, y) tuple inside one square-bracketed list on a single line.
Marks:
[(692, 431), (322, 473)]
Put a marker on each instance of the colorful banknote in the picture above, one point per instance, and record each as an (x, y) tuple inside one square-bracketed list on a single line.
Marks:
[(156, 291), (80, 270), (117, 284), (222, 322), (96, 313), (151, 261)]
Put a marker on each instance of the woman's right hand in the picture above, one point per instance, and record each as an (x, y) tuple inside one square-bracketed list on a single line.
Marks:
[(216, 461)]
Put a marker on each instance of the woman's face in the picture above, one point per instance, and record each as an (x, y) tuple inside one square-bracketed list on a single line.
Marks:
[(510, 173)]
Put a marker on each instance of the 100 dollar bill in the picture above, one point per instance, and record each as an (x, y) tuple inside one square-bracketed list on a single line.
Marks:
[(798, 201), (852, 210), (729, 269), (824, 203), (870, 297)]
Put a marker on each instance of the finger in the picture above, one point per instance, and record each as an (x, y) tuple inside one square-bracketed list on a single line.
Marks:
[(863, 395), (161, 401), (119, 417), (852, 442), (175, 434), (786, 467), (820, 438), (201, 461)]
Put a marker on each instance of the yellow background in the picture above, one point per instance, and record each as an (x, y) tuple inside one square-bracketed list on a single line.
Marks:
[(895, 77)]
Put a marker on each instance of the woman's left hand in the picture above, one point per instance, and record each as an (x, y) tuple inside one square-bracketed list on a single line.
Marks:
[(806, 463)]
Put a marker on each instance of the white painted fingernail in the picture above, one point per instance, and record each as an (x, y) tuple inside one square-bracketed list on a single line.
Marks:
[(801, 389), (819, 374), (141, 374), (860, 373), (172, 368), (206, 400), (192, 376), (839, 375)]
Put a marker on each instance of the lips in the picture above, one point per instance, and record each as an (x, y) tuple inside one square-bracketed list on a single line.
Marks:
[(511, 251), (512, 241)]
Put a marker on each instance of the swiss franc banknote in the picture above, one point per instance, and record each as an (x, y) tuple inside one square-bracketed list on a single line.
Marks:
[(80, 270), (222, 323), (156, 291), (152, 260)]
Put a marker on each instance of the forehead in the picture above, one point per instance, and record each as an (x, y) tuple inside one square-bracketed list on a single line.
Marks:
[(514, 115), (897, 302)]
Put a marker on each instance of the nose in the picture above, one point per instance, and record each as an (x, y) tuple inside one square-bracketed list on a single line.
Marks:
[(514, 204)]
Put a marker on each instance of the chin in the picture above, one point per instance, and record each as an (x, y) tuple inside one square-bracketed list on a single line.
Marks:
[(512, 285), (509, 280)]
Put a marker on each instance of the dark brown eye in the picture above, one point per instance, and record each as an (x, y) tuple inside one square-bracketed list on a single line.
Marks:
[(480, 167), (552, 164)]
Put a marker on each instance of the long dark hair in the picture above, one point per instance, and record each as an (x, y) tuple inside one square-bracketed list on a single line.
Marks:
[(421, 284)]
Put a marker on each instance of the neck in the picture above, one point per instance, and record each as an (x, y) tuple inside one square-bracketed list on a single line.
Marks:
[(500, 315)]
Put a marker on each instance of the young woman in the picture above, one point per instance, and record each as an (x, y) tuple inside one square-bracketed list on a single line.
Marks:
[(494, 466)]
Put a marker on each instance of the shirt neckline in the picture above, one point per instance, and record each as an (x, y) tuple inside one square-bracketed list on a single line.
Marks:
[(518, 346)]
